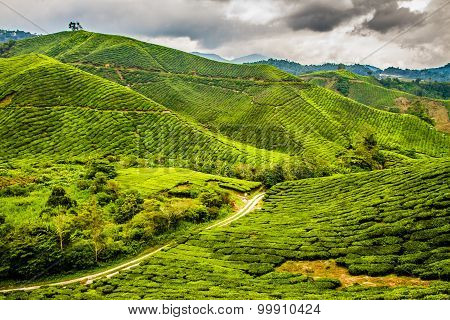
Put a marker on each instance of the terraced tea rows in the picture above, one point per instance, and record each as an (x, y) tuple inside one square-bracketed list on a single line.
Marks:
[(376, 223), (291, 117), (394, 131), (101, 49), (256, 105), (368, 91), (60, 111)]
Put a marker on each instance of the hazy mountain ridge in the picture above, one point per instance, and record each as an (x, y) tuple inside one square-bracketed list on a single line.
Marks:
[(251, 58), (7, 35), (434, 74)]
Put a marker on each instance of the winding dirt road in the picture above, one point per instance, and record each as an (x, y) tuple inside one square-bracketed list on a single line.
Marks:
[(249, 206)]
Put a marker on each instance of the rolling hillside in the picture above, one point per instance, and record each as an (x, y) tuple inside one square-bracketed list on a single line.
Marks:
[(52, 109), (377, 226), (97, 133), (368, 91), (99, 49), (256, 105)]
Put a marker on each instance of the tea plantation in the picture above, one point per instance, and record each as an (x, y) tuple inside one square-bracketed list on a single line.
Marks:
[(378, 223), (53, 109), (101, 49), (111, 147), (257, 105), (370, 92)]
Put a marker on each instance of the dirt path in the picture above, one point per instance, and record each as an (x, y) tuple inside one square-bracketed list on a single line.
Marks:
[(249, 206)]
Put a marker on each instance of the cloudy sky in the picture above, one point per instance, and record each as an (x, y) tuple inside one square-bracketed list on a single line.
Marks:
[(306, 31)]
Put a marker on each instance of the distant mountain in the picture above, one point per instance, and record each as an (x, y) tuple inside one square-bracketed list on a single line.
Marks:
[(252, 58), (297, 68), (6, 35), (433, 74), (436, 74), (211, 56)]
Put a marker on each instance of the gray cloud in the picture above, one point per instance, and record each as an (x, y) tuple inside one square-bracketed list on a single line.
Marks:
[(279, 28), (323, 17), (318, 17), (389, 16)]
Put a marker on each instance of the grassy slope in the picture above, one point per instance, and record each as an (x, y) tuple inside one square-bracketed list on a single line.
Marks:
[(257, 105), (154, 180), (366, 90), (26, 209), (376, 223), (55, 109), (100, 49)]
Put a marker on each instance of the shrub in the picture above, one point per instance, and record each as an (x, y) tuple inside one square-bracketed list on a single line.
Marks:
[(15, 191), (58, 197), (258, 269), (101, 166), (83, 184), (199, 214), (103, 198), (127, 206)]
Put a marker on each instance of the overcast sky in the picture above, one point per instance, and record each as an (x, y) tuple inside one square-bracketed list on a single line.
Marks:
[(306, 31)]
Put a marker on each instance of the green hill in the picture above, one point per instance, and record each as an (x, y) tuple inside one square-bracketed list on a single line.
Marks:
[(90, 122), (378, 226), (50, 109), (369, 91), (254, 104), (100, 49)]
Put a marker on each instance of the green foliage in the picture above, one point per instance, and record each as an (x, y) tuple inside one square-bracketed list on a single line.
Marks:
[(342, 85), (419, 110), (110, 221), (101, 166), (6, 46), (438, 90), (59, 198), (15, 190), (373, 223), (127, 206)]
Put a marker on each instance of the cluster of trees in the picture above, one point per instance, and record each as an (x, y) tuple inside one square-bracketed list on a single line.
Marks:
[(364, 152), (438, 90), (343, 86), (74, 235), (6, 46)]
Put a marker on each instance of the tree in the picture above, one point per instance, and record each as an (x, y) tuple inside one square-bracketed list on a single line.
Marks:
[(343, 86), (92, 219), (62, 223), (127, 206), (59, 198), (366, 151), (101, 166), (74, 26)]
